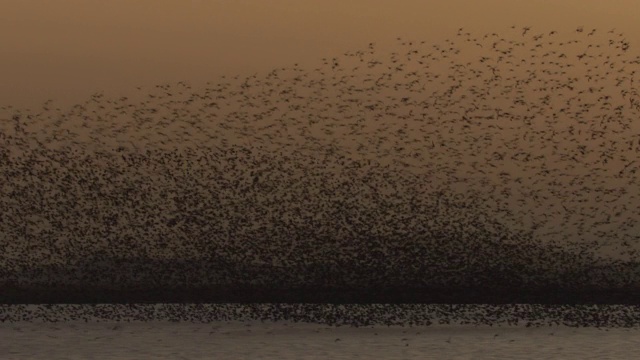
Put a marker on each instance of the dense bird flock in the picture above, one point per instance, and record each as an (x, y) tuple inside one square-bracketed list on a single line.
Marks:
[(355, 315), (494, 161)]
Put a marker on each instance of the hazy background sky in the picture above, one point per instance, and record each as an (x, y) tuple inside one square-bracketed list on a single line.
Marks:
[(67, 49)]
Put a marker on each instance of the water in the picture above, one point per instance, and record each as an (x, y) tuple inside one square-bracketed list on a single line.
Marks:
[(284, 340), (98, 337)]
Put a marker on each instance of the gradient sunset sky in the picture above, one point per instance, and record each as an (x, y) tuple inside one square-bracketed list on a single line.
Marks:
[(65, 50), (69, 49)]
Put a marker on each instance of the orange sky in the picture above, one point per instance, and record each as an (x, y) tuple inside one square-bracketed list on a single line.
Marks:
[(66, 50)]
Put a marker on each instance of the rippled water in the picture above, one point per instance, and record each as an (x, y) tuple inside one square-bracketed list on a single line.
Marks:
[(235, 331), (285, 340)]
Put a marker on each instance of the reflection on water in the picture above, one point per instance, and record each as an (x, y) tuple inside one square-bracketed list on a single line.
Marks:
[(282, 340)]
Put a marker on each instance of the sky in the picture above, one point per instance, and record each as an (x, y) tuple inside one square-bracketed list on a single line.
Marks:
[(66, 50)]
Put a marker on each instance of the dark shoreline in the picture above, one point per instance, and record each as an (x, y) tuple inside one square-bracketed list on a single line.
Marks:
[(353, 315), (226, 294)]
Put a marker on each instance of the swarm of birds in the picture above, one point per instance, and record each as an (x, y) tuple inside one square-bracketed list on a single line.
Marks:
[(355, 315), (503, 160)]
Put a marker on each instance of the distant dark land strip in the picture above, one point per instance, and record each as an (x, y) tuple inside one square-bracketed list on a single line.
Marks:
[(220, 280), (79, 294)]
